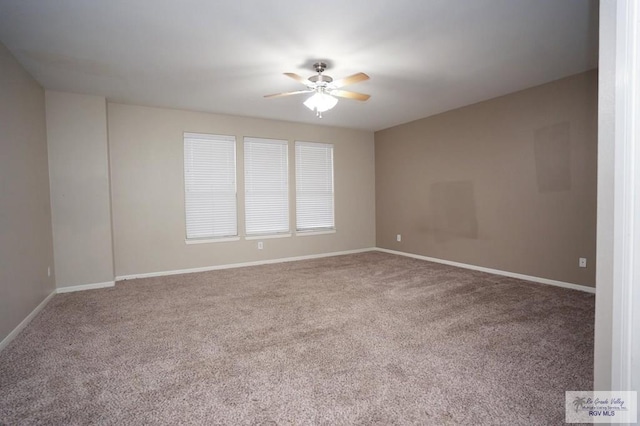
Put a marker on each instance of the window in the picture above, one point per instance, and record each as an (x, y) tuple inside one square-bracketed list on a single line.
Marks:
[(266, 186), (210, 186), (314, 186)]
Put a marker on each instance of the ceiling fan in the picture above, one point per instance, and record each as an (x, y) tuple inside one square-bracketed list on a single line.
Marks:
[(325, 90)]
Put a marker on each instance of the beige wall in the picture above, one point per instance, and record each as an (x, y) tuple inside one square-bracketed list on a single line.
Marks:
[(25, 215), (508, 183), (146, 151), (80, 199)]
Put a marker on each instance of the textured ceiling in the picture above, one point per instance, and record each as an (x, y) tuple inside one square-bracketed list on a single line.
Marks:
[(424, 57)]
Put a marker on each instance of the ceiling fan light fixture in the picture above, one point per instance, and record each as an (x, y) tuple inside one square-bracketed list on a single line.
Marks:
[(320, 102), (324, 89)]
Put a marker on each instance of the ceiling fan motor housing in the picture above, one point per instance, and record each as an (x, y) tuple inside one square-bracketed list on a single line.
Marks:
[(319, 78)]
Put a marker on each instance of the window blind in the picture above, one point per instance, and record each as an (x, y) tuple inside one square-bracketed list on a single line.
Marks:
[(210, 186), (266, 184), (314, 186)]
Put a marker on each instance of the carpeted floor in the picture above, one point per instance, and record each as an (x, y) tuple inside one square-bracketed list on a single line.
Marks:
[(369, 338)]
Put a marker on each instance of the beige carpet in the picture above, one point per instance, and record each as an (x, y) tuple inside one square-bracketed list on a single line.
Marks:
[(369, 338)]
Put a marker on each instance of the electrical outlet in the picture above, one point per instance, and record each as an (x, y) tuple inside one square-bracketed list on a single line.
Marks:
[(398, 238), (48, 271), (582, 262), (260, 245)]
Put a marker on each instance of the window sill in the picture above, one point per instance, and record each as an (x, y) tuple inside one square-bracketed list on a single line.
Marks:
[(266, 236), (312, 233), (212, 240)]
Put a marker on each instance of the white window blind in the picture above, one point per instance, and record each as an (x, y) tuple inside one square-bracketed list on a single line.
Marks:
[(210, 186), (266, 185), (314, 186)]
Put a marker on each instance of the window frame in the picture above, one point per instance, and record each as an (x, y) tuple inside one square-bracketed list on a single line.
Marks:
[(232, 142), (247, 182), (299, 164)]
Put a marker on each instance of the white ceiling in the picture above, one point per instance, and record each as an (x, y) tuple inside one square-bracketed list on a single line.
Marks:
[(423, 56)]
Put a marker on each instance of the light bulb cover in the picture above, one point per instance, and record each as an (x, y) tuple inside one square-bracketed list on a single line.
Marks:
[(320, 102)]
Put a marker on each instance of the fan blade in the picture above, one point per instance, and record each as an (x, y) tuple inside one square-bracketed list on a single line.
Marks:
[(350, 80), (278, 95), (296, 77), (350, 95)]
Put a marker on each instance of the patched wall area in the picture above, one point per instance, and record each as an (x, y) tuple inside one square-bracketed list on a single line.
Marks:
[(508, 183)]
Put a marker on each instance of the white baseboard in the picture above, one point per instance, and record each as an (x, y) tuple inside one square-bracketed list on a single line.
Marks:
[(25, 321), (241, 265), (493, 271), (82, 287), (42, 304)]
